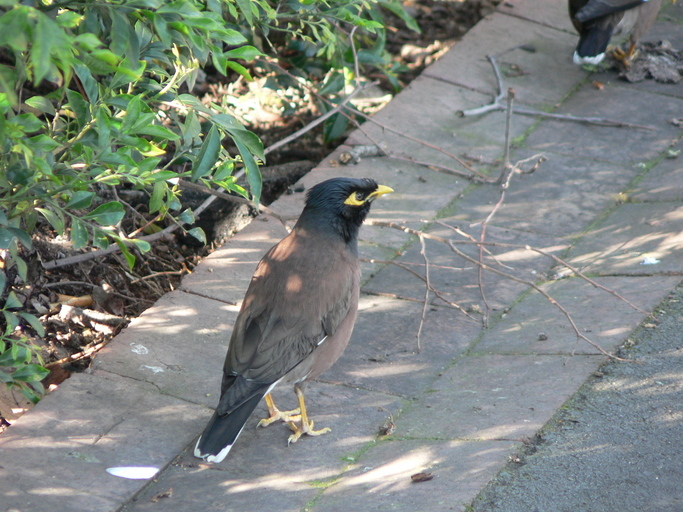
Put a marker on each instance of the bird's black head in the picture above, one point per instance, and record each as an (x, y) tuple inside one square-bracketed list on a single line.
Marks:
[(340, 205)]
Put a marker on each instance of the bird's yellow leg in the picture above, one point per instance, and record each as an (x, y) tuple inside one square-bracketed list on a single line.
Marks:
[(625, 57), (276, 414), (306, 425)]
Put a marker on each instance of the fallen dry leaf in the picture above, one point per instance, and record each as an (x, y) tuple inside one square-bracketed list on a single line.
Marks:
[(421, 477), (162, 495), (598, 85)]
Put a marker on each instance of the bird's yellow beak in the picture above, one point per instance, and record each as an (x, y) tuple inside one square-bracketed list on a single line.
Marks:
[(380, 191)]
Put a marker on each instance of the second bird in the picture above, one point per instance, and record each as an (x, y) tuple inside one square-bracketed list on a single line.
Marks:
[(598, 21), (297, 315)]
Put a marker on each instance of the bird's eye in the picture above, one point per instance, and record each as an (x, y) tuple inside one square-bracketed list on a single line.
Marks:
[(360, 196)]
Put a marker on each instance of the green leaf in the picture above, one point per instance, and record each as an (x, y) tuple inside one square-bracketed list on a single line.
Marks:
[(88, 82), (208, 154), (23, 237), (133, 111), (107, 214), (3, 281), (243, 52), (30, 373), (9, 234), (41, 103), (400, 11), (40, 51), (130, 259), (68, 19), (79, 233), (245, 8), (5, 377), (13, 301), (187, 216), (79, 107), (253, 172), (33, 322), (28, 122), (42, 143), (250, 141), (154, 130), (55, 219), (335, 82), (238, 68), (158, 194), (198, 233), (80, 199), (141, 245), (99, 239)]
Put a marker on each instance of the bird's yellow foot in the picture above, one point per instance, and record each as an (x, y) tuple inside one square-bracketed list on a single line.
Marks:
[(278, 415), (304, 427), (625, 57)]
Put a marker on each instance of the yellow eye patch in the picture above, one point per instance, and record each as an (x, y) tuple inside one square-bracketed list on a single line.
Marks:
[(355, 199), (359, 198)]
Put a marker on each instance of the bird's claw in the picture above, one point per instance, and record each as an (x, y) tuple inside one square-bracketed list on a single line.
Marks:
[(277, 415), (305, 428)]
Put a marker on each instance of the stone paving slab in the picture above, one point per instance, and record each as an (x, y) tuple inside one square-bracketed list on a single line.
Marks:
[(539, 78), (625, 146), (535, 326), (381, 480), (552, 13), (664, 182), (561, 198), (382, 355), (457, 278), (428, 112), (631, 233), (56, 456), (250, 476), (496, 397), (156, 347)]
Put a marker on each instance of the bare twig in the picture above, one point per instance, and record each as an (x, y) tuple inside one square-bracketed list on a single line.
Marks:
[(452, 245), (86, 352), (234, 199), (497, 104), (318, 120), (423, 252)]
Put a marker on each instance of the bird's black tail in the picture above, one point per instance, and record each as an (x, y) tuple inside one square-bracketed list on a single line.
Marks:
[(594, 42), (222, 431)]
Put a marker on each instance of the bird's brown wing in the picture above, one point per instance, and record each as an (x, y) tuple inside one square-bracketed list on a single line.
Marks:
[(300, 293)]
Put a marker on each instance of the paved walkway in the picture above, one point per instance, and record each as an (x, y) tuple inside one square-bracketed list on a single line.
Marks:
[(605, 199)]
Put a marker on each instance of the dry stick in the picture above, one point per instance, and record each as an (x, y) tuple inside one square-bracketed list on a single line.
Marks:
[(318, 120), (557, 259), (423, 252), (79, 258), (504, 180), (451, 245), (474, 176), (496, 105), (547, 296), (86, 352), (437, 293), (235, 199), (472, 239)]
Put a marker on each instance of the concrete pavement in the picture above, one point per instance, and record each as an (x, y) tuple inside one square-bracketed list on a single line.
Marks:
[(472, 398)]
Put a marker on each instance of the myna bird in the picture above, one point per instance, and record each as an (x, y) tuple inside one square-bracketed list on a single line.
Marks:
[(597, 21), (297, 315)]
